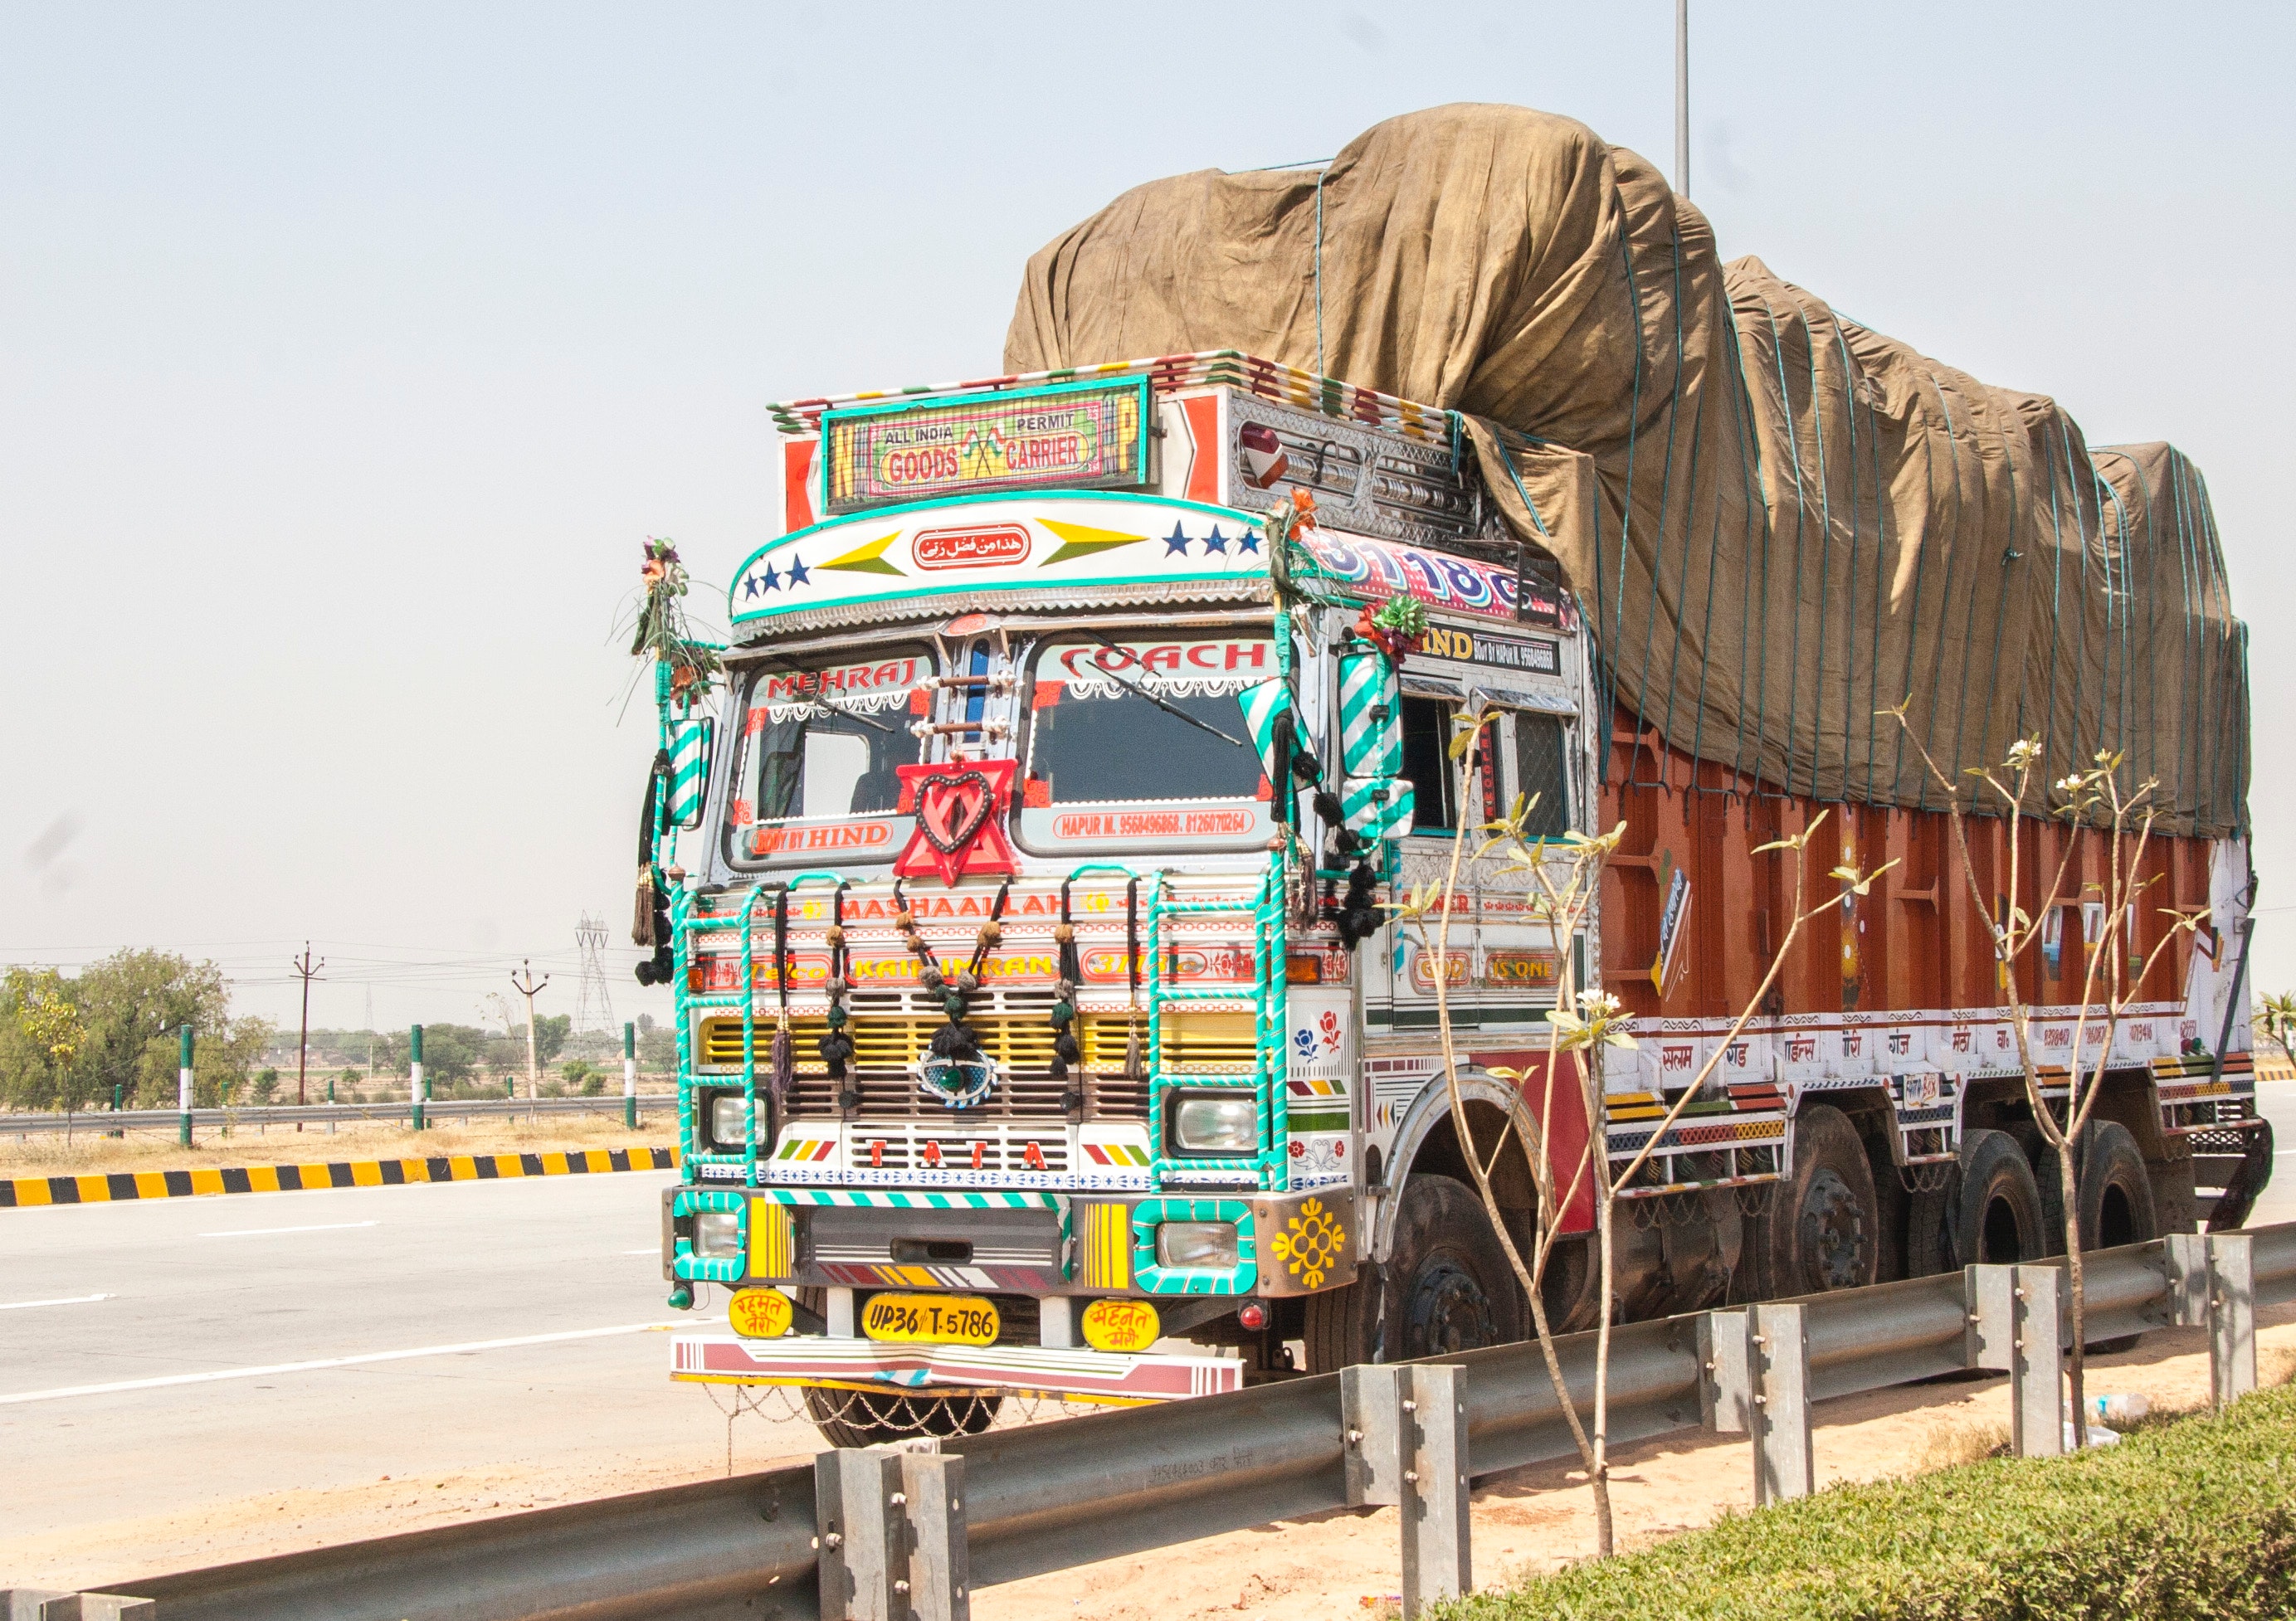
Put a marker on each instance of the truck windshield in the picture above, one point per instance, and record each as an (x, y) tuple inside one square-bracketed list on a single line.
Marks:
[(1099, 738), (819, 747)]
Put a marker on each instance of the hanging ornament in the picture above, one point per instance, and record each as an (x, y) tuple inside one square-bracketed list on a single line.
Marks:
[(960, 809)]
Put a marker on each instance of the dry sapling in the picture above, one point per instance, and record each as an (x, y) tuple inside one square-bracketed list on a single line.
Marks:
[(2092, 805), (1561, 877)]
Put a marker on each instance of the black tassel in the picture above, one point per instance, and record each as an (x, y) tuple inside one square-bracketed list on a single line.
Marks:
[(783, 1066), (642, 914), (836, 1053), (953, 1040)]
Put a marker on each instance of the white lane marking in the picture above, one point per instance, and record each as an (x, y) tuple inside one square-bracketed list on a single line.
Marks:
[(333, 1362), (251, 1233), (656, 1248), (17, 1305)]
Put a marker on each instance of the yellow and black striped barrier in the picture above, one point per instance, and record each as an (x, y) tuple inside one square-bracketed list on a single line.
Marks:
[(96, 1188)]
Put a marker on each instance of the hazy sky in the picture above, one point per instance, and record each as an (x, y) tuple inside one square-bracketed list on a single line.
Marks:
[(348, 352)]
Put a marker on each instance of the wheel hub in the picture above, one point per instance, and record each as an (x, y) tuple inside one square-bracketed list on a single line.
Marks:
[(1447, 1310), (1834, 1245)]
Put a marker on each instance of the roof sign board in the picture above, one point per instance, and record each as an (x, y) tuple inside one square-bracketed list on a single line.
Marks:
[(1069, 436)]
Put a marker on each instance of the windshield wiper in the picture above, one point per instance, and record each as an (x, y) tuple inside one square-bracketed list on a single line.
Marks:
[(1168, 708), (820, 701)]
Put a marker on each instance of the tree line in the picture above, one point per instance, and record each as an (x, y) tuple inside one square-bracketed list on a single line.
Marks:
[(76, 1041), (113, 1032)]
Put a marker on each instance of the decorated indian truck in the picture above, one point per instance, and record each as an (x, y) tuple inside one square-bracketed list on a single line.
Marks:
[(1018, 867)]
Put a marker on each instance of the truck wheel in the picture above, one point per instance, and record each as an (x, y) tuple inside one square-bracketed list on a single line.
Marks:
[(1995, 1216), (2116, 1199), (1822, 1228), (856, 1418), (1447, 1286)]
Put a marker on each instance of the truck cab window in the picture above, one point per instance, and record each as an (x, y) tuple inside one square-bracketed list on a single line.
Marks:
[(818, 746), (1427, 763), (1105, 727), (1542, 766)]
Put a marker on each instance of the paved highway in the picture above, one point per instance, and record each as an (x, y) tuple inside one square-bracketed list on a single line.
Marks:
[(180, 1380)]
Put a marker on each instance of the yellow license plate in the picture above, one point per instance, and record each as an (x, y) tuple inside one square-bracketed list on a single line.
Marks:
[(939, 1320)]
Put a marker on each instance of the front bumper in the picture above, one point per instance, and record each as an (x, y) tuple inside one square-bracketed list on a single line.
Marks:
[(867, 1364)]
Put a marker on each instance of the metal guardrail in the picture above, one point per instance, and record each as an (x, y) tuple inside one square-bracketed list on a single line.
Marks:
[(1053, 1497), (100, 1120)]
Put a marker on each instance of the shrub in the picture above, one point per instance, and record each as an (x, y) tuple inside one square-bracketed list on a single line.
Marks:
[(2190, 1520)]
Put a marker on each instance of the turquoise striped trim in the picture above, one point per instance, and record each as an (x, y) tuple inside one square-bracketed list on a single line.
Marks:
[(1379, 808), (899, 1199), (1371, 706), (689, 771), (1263, 705)]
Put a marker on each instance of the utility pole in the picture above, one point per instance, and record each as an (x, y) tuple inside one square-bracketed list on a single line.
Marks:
[(304, 966), (530, 990), (1681, 96)]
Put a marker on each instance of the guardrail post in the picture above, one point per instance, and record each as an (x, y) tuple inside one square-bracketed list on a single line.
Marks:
[(892, 1534), (2016, 1327), (1725, 1393), (629, 1077), (2231, 1316), (859, 1534), (184, 1091), (418, 1088), (1778, 1357), (1404, 1432), (940, 1572)]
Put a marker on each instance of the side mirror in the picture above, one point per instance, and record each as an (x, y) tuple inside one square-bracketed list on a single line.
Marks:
[(689, 773), (1377, 799)]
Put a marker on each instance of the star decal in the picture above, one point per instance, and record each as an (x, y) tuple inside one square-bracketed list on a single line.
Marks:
[(798, 572), (1177, 541), (1248, 541), (773, 580), (1215, 542), (748, 586)]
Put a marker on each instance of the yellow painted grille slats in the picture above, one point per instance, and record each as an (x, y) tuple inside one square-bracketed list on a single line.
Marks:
[(721, 1043), (1208, 1042)]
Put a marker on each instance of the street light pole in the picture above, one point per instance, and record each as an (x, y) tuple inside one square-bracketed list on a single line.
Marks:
[(1681, 96)]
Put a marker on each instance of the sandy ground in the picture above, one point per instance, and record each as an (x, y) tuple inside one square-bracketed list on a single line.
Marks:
[(49, 1155), (1527, 1522)]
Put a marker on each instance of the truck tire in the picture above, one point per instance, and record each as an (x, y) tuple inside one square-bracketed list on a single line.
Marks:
[(2116, 1195), (1822, 1229), (2116, 1199), (1995, 1215), (859, 1417), (1447, 1286), (856, 1418)]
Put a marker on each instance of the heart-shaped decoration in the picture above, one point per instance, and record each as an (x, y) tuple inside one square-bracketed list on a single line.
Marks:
[(959, 806), (951, 809)]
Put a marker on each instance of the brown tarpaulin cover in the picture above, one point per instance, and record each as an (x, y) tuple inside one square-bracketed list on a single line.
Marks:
[(1779, 521)]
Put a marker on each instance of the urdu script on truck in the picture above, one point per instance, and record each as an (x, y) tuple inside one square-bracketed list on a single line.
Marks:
[(1038, 1030)]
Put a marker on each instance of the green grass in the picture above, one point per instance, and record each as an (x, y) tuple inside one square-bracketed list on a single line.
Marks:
[(2191, 1519)]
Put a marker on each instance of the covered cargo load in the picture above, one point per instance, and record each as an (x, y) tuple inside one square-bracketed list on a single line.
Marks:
[(1779, 522)]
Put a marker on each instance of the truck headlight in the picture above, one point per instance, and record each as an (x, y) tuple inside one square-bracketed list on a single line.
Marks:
[(1216, 1123), (729, 1121), (718, 1235), (1197, 1244)]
